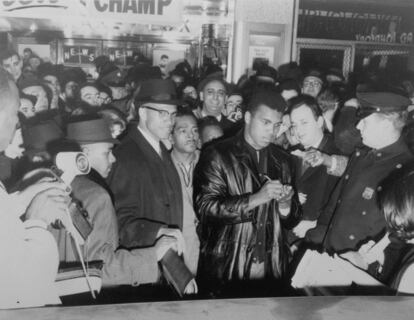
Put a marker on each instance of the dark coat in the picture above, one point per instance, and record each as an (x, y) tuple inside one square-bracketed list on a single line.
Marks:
[(146, 189), (352, 215), (315, 182), (224, 179)]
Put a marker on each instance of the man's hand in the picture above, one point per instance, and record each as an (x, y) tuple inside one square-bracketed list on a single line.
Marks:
[(191, 287), (286, 194), (314, 157), (355, 258), (374, 252), (49, 205), (272, 189), (163, 244), (175, 234), (235, 116), (368, 253), (352, 103), (302, 198), (26, 196), (303, 227)]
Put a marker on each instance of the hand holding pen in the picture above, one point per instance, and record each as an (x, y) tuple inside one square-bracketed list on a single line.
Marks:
[(270, 190), (276, 190)]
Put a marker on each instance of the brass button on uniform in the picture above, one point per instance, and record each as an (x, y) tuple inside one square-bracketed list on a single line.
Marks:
[(351, 237)]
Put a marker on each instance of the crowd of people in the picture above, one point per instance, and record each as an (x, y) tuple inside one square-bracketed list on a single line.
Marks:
[(235, 182)]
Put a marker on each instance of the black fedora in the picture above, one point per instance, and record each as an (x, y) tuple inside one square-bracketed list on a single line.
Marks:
[(88, 131), (158, 91)]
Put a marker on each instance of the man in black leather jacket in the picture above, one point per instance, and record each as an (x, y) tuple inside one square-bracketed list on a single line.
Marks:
[(244, 199)]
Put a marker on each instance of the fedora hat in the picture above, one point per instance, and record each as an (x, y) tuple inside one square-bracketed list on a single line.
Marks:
[(37, 137), (158, 91), (88, 131)]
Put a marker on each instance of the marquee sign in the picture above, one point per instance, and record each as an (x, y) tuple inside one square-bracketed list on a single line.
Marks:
[(142, 11)]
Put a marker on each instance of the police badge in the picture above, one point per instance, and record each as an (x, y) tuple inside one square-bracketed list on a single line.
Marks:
[(368, 193)]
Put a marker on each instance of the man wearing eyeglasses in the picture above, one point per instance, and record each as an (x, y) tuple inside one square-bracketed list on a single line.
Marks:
[(244, 200), (144, 181), (312, 83)]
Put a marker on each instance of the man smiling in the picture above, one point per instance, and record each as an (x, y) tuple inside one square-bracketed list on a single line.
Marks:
[(213, 94)]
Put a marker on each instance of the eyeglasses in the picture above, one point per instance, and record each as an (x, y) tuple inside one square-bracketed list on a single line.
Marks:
[(164, 114), (312, 84), (91, 96)]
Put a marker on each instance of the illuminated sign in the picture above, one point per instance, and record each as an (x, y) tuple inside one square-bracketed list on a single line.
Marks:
[(79, 54), (120, 55), (143, 11)]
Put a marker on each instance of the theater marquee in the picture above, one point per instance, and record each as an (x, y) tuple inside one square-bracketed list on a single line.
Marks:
[(142, 11)]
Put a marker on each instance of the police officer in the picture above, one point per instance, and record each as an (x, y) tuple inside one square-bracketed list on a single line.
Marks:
[(352, 216)]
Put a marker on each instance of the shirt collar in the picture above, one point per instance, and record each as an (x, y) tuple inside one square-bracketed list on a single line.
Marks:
[(203, 115), (193, 161)]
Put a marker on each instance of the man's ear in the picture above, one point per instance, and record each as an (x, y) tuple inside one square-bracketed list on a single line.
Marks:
[(142, 113), (201, 96), (247, 117)]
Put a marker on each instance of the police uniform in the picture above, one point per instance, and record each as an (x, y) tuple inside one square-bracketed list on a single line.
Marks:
[(116, 78), (352, 215)]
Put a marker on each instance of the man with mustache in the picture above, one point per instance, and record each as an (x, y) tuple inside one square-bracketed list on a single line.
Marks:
[(245, 200), (185, 155)]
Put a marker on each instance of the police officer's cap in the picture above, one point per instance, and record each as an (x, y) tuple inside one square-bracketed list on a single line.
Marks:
[(380, 102)]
